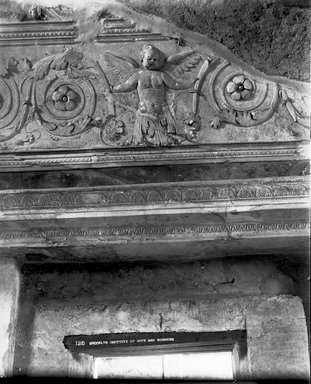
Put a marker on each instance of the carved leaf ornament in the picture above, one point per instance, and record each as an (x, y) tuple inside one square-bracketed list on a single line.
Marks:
[(68, 94), (14, 106), (64, 95)]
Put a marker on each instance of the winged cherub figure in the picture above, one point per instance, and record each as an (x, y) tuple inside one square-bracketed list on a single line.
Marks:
[(155, 124)]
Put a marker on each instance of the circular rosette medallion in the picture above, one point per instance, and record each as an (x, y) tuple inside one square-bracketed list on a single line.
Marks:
[(10, 109), (65, 106), (240, 98)]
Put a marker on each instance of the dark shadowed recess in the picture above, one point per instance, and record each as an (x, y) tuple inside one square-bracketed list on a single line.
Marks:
[(151, 174)]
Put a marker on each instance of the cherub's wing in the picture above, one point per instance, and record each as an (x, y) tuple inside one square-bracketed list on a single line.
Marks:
[(118, 68), (181, 62), (179, 66)]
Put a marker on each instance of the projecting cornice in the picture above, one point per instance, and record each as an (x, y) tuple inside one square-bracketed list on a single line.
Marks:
[(150, 234), (37, 33), (223, 216), (217, 153), (220, 195), (158, 242)]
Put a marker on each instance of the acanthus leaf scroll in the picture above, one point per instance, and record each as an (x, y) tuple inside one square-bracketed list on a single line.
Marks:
[(64, 96), (158, 100), (247, 101), (14, 98)]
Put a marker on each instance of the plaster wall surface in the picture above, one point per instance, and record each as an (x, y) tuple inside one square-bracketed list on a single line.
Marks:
[(202, 297), (277, 343), (9, 295)]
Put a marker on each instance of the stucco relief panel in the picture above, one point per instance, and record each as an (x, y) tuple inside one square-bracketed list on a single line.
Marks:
[(139, 95)]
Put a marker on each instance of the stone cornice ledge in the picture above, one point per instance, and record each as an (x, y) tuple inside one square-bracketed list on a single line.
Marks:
[(154, 199), (37, 33), (214, 153), (60, 237)]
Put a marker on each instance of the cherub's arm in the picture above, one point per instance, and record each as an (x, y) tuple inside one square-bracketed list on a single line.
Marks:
[(177, 84), (129, 85)]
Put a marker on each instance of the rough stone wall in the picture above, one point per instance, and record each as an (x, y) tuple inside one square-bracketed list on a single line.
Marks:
[(218, 295), (9, 295), (272, 35), (275, 329)]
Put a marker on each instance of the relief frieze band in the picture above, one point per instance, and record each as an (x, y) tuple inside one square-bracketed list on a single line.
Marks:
[(149, 233), (162, 97), (255, 190), (116, 91)]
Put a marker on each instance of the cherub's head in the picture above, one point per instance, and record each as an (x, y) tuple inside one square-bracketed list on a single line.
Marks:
[(151, 58)]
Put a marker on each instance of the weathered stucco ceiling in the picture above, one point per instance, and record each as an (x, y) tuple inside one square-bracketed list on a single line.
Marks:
[(271, 35)]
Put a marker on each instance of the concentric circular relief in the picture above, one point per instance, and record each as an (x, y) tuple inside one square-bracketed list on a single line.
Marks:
[(239, 91), (9, 108), (66, 105), (241, 99)]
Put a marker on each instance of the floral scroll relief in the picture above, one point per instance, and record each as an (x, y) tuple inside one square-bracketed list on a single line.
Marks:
[(57, 92), (239, 99), (246, 101), (158, 100), (14, 98), (64, 95)]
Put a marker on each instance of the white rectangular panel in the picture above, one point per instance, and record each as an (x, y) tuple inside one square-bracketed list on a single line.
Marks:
[(207, 365), (129, 367)]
